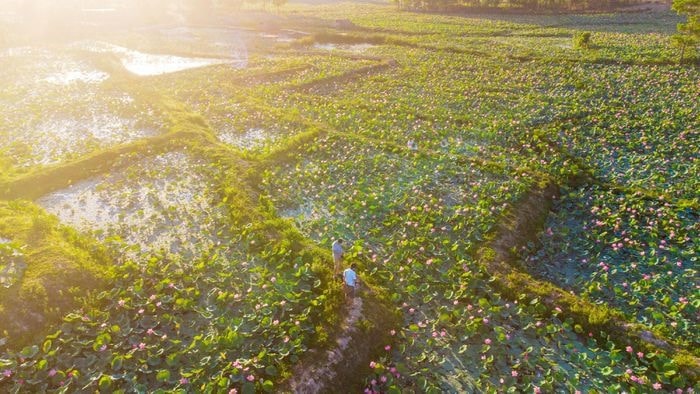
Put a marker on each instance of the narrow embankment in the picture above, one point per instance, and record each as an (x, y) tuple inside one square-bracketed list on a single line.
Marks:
[(325, 85), (340, 367), (46, 180), (519, 226)]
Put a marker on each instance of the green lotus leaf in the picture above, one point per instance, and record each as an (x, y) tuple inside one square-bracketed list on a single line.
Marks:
[(163, 375), (29, 351)]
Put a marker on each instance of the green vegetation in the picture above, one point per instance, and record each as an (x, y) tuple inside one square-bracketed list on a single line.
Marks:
[(46, 269), (519, 193), (526, 5), (689, 32), (582, 39)]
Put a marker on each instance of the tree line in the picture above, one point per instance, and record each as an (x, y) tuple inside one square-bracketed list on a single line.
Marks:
[(515, 5)]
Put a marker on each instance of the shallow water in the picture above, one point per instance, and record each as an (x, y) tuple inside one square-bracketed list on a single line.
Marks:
[(68, 77), (33, 68), (146, 64), (53, 139), (344, 47), (251, 139), (159, 203)]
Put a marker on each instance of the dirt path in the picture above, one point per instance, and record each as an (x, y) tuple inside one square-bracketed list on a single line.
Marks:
[(316, 378), (343, 366)]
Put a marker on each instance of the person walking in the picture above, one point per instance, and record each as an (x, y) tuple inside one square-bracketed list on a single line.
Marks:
[(350, 282), (337, 249)]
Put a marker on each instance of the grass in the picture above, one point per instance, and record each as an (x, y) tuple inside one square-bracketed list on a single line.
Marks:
[(61, 268)]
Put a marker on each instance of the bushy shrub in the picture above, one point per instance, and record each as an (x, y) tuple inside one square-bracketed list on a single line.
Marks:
[(582, 39)]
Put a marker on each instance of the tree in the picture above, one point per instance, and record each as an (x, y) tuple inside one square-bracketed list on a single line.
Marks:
[(279, 3), (689, 32)]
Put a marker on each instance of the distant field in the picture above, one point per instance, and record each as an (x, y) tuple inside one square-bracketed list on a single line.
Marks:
[(524, 212)]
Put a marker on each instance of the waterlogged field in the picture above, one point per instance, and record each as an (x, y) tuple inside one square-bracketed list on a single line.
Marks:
[(633, 253), (161, 204), (57, 105), (425, 141)]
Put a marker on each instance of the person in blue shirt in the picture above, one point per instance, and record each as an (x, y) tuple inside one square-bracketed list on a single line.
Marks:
[(350, 282)]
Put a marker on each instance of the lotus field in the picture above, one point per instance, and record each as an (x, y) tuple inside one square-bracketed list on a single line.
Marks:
[(524, 213)]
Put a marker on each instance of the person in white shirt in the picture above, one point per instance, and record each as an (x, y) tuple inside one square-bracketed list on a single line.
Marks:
[(337, 249), (350, 282)]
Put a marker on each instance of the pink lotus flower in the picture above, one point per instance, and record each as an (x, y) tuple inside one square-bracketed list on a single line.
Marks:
[(142, 346), (7, 373), (184, 380), (250, 378), (514, 373), (629, 349), (487, 341), (656, 386), (372, 364), (52, 372), (640, 354)]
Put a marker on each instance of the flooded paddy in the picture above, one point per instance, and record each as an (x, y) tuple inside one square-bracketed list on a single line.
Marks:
[(34, 67), (164, 203), (78, 123), (357, 48), (148, 64), (251, 139)]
